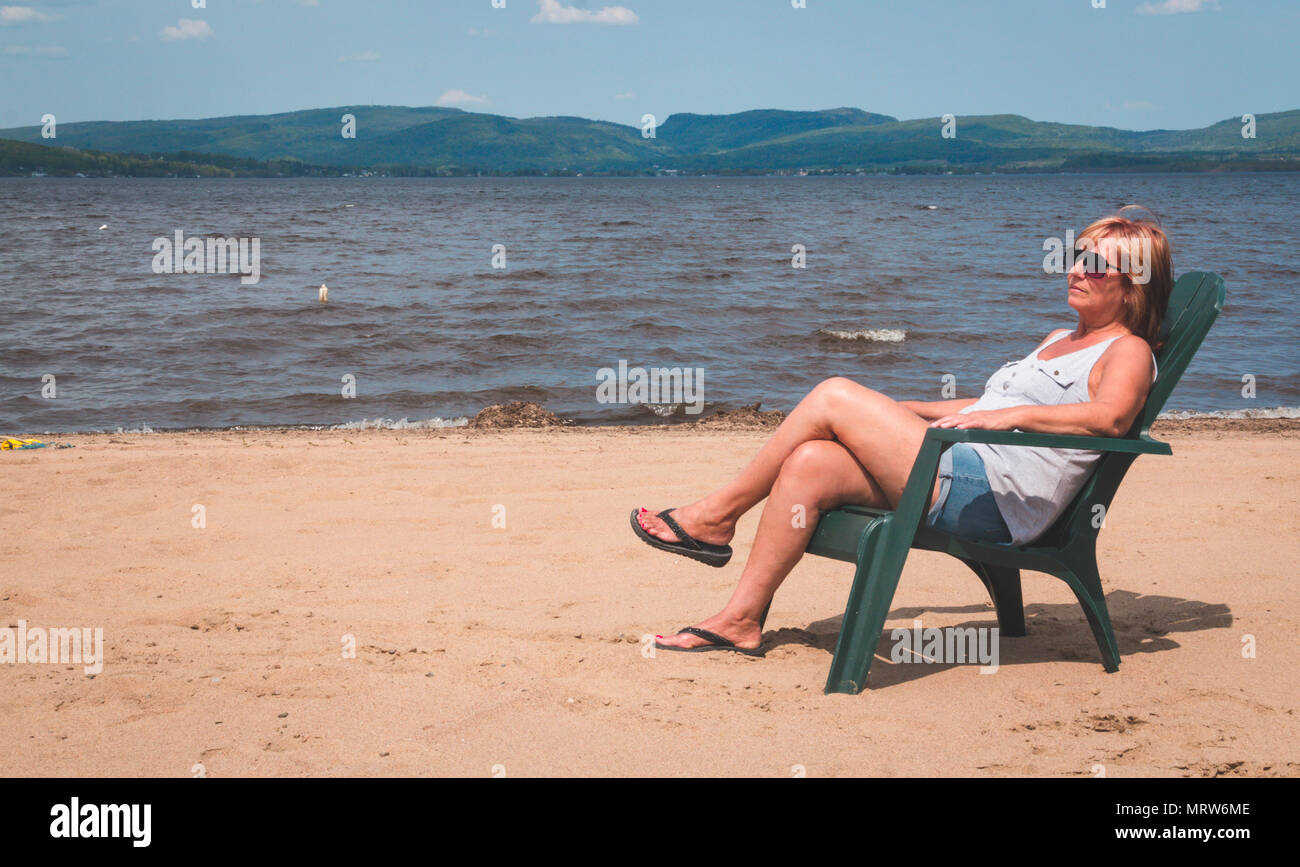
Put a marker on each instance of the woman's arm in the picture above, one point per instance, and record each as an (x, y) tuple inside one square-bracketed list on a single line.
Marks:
[(932, 410), (1125, 380)]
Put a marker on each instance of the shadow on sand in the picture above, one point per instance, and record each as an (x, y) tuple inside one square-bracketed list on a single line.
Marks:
[(1055, 632)]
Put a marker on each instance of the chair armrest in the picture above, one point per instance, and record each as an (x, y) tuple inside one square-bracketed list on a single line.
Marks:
[(1143, 445), (914, 502)]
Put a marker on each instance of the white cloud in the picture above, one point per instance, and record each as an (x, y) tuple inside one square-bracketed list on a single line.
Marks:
[(552, 12), (460, 97), (23, 15), (37, 50), (474, 31), (361, 57), (1176, 7), (187, 28)]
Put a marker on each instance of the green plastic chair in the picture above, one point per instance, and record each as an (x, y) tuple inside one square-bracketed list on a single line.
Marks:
[(878, 540)]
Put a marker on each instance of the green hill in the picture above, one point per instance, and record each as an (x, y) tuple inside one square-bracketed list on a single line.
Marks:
[(22, 159), (713, 133), (313, 136), (493, 143), (446, 140)]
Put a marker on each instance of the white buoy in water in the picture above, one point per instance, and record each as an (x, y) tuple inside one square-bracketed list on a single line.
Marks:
[(103, 227), (324, 294)]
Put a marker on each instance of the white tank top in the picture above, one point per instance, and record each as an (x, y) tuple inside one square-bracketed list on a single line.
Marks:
[(1032, 486)]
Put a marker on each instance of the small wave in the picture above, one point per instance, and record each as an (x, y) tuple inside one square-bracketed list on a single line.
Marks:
[(401, 424), (664, 410), (1273, 412), (873, 335)]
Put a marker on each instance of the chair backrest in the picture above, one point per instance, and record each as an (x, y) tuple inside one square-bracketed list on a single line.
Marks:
[(1194, 304)]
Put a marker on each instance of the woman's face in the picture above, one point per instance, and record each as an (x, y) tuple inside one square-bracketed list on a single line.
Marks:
[(1099, 296)]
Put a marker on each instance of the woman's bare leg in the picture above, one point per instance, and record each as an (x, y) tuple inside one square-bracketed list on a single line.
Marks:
[(883, 434), (876, 443)]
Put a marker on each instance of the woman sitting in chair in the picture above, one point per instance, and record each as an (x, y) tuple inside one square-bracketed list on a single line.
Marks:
[(845, 443)]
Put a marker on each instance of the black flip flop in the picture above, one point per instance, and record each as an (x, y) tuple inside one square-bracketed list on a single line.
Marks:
[(716, 556), (719, 643)]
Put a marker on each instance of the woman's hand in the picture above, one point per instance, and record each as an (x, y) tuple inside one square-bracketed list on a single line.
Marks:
[(988, 419)]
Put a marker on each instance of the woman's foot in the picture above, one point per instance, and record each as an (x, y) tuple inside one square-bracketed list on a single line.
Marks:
[(743, 632), (694, 520)]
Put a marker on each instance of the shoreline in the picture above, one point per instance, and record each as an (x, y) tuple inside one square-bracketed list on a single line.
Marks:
[(1292, 167), (723, 422)]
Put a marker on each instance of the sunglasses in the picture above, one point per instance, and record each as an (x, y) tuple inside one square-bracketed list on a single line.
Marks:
[(1094, 264)]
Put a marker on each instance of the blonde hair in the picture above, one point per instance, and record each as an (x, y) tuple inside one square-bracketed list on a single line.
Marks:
[(1144, 247)]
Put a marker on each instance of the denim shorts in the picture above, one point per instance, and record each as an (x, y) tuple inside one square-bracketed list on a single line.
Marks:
[(966, 506)]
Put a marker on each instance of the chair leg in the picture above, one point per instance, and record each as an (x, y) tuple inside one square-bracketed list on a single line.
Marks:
[(881, 556), (1082, 576), (1003, 585)]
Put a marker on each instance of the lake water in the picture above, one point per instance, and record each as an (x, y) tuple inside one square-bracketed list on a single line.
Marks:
[(908, 279)]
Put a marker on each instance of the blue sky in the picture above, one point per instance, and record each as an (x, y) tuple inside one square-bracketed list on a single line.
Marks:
[(1135, 64)]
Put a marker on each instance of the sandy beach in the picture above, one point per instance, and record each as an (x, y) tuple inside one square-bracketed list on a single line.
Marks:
[(517, 650)]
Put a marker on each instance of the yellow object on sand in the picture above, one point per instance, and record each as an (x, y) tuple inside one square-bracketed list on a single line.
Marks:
[(7, 443)]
